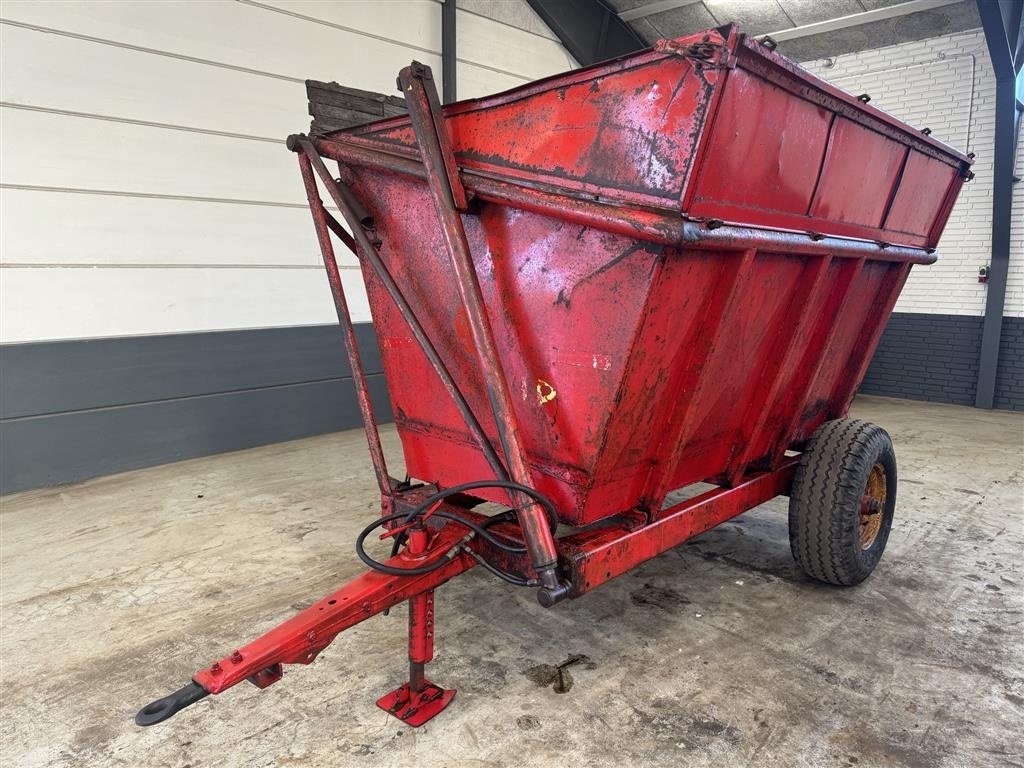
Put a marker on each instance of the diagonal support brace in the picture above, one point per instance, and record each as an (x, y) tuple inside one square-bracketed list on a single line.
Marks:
[(448, 194)]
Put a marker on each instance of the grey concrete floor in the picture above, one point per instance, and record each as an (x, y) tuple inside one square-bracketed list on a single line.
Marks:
[(717, 653)]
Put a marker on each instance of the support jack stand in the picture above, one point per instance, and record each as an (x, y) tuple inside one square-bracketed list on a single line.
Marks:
[(418, 700)]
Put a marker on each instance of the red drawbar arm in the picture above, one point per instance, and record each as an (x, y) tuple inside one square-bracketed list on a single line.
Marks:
[(299, 639)]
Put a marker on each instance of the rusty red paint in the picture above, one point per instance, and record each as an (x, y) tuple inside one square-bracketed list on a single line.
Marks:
[(477, 336), (661, 270), (782, 150), (858, 176), (322, 223), (596, 557), (301, 639), (561, 286)]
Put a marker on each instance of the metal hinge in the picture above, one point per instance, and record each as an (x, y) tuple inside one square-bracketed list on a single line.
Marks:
[(713, 55)]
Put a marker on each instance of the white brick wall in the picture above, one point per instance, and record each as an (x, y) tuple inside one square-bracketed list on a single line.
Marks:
[(946, 84), (1015, 280)]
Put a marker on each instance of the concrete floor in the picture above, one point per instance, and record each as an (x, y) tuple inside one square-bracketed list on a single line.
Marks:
[(718, 653)]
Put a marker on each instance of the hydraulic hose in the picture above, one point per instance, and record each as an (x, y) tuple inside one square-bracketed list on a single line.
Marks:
[(479, 529)]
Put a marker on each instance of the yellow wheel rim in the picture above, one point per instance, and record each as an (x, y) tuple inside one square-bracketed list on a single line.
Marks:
[(872, 506)]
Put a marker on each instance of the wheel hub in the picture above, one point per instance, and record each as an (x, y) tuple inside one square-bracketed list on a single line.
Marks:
[(872, 505)]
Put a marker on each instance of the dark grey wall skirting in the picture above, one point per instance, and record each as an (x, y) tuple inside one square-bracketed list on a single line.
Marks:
[(71, 410), (935, 357), (927, 357), (1010, 370)]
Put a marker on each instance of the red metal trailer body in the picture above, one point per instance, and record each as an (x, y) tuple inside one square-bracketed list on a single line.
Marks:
[(640, 362), (597, 288)]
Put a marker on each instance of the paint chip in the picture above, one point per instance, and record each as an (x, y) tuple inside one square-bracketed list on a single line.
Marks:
[(545, 391)]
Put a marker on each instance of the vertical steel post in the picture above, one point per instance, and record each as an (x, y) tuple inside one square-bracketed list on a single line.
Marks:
[(1003, 42), (449, 59), (999, 261), (416, 82), (421, 623), (320, 222)]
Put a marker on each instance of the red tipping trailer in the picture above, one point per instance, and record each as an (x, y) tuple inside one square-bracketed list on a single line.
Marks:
[(592, 290)]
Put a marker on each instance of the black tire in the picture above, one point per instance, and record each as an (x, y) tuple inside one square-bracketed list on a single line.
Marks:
[(842, 501)]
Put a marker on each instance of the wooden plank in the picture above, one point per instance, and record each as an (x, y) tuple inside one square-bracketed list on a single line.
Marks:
[(335, 106), (370, 102), (338, 117)]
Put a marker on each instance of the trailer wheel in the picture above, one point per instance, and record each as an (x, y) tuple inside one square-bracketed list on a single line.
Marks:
[(842, 501)]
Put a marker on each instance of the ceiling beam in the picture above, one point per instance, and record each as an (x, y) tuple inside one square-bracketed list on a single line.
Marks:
[(590, 30), (856, 19), (659, 6)]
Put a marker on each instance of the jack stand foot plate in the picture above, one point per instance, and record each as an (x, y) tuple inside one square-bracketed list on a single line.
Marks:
[(417, 708)]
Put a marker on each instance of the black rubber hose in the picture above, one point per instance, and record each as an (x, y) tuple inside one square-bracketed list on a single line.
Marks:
[(510, 485), (478, 529), (511, 578)]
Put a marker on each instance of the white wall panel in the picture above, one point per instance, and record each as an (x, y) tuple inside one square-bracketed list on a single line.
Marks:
[(51, 150), (514, 13), (473, 82), (119, 82), (161, 252), (415, 23), (41, 227), (46, 303), (497, 45), (237, 34)]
